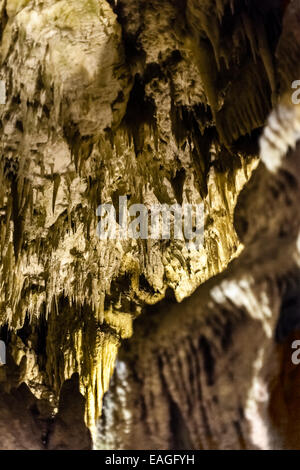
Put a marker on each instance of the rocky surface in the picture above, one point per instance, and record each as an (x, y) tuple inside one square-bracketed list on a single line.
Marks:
[(162, 102), (222, 377)]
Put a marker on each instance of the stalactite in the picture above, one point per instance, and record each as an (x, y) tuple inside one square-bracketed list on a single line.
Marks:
[(101, 105)]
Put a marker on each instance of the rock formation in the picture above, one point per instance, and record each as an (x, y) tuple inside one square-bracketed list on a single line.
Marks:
[(173, 102)]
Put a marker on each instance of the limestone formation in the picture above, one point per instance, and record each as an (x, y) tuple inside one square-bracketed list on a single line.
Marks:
[(164, 102)]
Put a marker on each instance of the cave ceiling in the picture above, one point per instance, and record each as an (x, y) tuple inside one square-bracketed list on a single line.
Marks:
[(160, 101)]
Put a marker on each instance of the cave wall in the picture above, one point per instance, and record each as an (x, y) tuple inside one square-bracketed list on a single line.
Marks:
[(215, 371), (163, 102)]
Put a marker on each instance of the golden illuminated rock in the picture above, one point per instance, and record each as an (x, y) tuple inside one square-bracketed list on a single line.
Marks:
[(161, 102)]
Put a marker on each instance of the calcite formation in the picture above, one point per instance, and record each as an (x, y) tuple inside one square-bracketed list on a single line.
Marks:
[(223, 378), (164, 103)]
